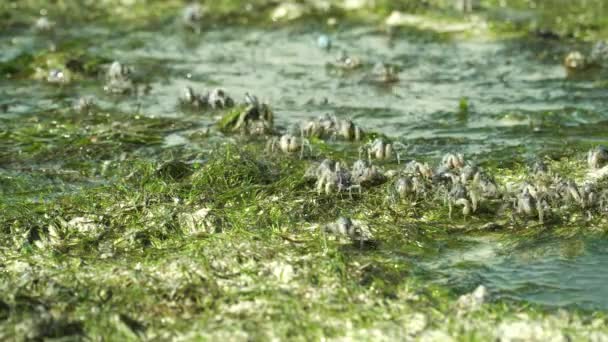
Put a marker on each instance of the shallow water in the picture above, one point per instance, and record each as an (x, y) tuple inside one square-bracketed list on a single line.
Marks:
[(552, 272), (517, 90)]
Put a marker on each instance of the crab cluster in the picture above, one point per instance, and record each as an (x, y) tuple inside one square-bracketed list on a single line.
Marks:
[(216, 99), (256, 118), (334, 177), (382, 149), (545, 192), (118, 78), (462, 184), (455, 181), (329, 126), (458, 183)]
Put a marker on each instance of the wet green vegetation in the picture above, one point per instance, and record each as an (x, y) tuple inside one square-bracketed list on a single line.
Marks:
[(138, 216), (109, 239)]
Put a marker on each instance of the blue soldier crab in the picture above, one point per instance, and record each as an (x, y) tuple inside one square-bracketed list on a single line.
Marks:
[(288, 143), (191, 99), (328, 126), (597, 157), (354, 229), (118, 78), (331, 177), (382, 149), (192, 16)]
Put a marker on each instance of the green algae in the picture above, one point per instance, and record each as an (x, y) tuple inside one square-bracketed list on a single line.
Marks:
[(135, 272)]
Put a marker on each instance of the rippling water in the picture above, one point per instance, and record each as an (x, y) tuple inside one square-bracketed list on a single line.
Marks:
[(552, 272), (517, 89)]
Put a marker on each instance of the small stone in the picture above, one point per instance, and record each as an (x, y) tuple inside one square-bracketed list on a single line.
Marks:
[(282, 272), (197, 223), (575, 61), (353, 5), (287, 12), (85, 225), (416, 323), (58, 76), (520, 331), (435, 336), (474, 300)]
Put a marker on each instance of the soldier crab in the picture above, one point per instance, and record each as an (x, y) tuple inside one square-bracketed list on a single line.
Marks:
[(331, 177), (288, 143), (354, 229), (597, 157), (461, 196), (218, 99), (381, 149), (420, 169), (384, 73), (58, 76), (192, 16), (118, 78), (347, 130), (84, 104), (453, 161), (365, 173), (193, 100), (531, 202)]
